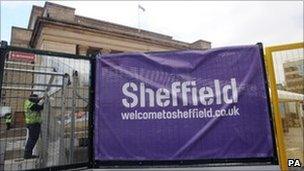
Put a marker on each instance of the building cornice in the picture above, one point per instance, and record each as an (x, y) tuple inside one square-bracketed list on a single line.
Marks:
[(127, 35), (115, 26)]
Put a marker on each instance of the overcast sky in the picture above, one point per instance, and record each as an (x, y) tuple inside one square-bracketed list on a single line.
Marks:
[(222, 23)]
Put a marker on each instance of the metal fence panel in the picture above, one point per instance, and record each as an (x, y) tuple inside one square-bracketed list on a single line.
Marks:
[(64, 82), (285, 65)]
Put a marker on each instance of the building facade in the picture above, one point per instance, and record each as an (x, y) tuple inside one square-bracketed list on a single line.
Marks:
[(294, 76), (57, 28)]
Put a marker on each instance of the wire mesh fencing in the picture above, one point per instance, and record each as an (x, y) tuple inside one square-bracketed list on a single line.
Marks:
[(288, 62), (62, 86)]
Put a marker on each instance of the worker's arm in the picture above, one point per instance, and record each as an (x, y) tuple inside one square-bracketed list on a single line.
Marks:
[(37, 107)]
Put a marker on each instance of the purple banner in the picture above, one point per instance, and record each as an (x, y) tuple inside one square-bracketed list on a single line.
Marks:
[(182, 105)]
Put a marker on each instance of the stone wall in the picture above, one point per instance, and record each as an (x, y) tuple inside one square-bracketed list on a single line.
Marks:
[(20, 37), (58, 12)]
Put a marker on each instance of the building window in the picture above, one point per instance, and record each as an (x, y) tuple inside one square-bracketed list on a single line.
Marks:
[(77, 50)]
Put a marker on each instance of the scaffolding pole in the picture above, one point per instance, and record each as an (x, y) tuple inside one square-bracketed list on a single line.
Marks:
[(34, 71)]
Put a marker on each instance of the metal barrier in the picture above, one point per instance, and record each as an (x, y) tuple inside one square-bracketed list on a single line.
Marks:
[(286, 83), (63, 81), (66, 83)]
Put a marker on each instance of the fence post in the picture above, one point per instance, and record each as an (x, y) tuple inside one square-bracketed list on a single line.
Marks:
[(3, 47), (275, 158), (276, 110), (91, 112), (2, 60)]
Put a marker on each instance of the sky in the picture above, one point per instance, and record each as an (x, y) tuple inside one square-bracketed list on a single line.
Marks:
[(223, 23)]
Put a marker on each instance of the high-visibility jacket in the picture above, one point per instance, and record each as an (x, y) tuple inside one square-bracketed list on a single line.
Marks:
[(8, 118), (31, 116)]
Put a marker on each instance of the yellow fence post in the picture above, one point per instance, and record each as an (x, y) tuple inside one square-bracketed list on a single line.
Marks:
[(275, 100), (277, 117)]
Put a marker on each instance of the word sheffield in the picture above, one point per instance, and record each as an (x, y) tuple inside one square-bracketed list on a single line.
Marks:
[(181, 93)]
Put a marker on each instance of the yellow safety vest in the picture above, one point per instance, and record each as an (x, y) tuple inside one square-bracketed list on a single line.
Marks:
[(31, 117)]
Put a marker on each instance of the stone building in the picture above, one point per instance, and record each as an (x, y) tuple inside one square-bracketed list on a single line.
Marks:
[(57, 28), (294, 76)]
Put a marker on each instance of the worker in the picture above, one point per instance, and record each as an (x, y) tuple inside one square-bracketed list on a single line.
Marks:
[(32, 110), (8, 120)]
